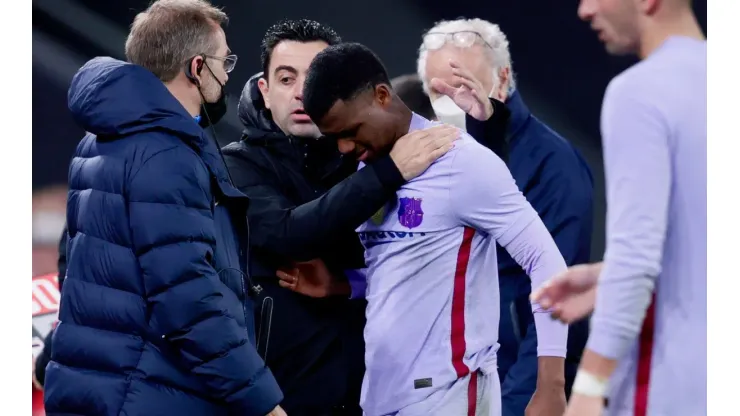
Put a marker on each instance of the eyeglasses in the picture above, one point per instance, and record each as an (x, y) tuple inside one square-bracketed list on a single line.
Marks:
[(463, 39), (228, 60)]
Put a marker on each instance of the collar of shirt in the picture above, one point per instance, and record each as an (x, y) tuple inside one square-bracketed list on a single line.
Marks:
[(418, 122)]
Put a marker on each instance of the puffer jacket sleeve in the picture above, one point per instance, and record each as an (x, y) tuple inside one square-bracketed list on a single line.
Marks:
[(173, 237)]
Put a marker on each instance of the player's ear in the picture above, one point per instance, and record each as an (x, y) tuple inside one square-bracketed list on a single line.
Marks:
[(264, 89), (383, 94), (649, 7)]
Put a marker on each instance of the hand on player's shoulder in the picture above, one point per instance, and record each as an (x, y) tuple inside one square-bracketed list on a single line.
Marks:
[(414, 152)]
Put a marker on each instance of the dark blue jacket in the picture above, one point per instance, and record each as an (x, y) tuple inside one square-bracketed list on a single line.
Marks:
[(148, 325), (558, 184)]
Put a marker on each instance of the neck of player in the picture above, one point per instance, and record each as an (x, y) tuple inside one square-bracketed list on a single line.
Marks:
[(404, 118), (681, 23)]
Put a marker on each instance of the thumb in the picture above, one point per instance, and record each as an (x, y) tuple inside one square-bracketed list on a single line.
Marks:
[(539, 293), (442, 87), (549, 293), (282, 275)]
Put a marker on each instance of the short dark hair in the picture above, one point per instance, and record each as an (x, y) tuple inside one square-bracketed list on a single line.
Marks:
[(410, 90), (302, 30), (340, 72)]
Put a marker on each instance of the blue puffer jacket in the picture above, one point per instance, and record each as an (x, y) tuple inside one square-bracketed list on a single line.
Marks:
[(148, 325)]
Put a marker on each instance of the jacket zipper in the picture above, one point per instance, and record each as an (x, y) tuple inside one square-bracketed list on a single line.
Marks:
[(244, 303), (214, 204), (246, 275)]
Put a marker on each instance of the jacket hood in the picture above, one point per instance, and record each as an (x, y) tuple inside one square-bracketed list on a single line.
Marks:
[(112, 97), (257, 119)]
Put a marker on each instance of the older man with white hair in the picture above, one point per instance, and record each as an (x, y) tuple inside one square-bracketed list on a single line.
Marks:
[(465, 66)]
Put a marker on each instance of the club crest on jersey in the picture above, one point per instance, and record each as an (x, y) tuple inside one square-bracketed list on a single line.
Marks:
[(410, 214)]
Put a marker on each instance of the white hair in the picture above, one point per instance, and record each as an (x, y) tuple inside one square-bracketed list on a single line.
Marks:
[(491, 33)]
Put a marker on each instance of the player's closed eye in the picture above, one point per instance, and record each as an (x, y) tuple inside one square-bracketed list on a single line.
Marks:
[(348, 134)]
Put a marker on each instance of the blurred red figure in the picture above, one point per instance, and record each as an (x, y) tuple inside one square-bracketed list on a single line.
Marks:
[(48, 211), (37, 403), (45, 306)]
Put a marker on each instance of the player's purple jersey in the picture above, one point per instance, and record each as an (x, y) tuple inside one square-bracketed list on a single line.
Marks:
[(432, 279), (654, 126)]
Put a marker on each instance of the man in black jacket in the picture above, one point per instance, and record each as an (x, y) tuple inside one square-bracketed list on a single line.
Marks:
[(305, 202)]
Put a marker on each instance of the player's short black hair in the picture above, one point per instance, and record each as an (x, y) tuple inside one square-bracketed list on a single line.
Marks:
[(301, 30), (410, 90), (340, 72)]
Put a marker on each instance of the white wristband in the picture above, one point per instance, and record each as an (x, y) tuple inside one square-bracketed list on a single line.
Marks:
[(589, 385)]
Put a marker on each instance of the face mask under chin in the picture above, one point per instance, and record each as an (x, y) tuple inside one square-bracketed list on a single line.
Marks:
[(212, 112), (448, 112)]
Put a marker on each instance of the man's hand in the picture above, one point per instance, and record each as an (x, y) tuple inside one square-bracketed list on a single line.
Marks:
[(416, 151), (278, 411), (549, 397), (581, 405), (571, 295), (547, 401), (312, 278), (469, 96)]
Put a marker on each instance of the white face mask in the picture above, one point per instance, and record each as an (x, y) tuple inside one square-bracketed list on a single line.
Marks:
[(448, 112)]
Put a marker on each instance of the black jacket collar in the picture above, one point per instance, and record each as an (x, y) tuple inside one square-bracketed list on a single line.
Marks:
[(519, 117), (315, 155), (256, 119)]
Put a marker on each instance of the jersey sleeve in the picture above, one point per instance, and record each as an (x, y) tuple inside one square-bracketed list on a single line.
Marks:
[(638, 181), (484, 196)]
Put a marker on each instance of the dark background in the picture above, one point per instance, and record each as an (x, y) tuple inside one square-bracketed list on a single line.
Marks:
[(561, 68)]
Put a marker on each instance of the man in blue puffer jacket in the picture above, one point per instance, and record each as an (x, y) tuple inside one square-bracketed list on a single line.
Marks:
[(155, 318)]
